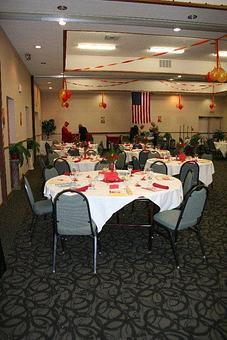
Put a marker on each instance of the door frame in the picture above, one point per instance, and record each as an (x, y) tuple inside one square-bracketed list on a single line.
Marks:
[(2, 150)]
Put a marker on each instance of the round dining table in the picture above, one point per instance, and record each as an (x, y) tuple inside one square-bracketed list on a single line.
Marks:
[(107, 196), (206, 167), (82, 164), (222, 146)]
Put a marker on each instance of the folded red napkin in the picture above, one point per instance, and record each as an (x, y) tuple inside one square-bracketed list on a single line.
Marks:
[(160, 186), (114, 186), (67, 173), (76, 160), (83, 188), (134, 171), (110, 177), (86, 157)]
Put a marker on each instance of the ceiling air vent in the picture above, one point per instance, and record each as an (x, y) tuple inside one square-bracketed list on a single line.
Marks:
[(111, 37), (165, 63)]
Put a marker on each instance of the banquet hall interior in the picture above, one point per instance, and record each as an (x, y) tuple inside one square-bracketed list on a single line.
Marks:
[(147, 80)]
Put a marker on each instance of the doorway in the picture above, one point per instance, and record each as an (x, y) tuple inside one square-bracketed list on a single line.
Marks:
[(3, 188)]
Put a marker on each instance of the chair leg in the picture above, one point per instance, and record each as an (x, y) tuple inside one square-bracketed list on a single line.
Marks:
[(197, 230), (63, 244), (99, 245), (54, 253), (94, 253), (32, 228), (150, 238), (173, 245)]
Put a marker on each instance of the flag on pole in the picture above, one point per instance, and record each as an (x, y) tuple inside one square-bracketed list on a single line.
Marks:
[(141, 107)]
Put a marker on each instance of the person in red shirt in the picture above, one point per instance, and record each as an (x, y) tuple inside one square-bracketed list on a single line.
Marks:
[(67, 136)]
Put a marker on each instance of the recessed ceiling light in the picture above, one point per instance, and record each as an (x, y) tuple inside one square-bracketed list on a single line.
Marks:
[(163, 49), (220, 53), (50, 87), (100, 47), (49, 82), (171, 79), (62, 22), (192, 16), (179, 76), (62, 8), (37, 46), (177, 29)]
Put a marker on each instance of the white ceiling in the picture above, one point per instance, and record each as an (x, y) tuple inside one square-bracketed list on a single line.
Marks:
[(137, 26)]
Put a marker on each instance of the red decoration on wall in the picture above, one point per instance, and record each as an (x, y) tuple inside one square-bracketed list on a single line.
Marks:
[(179, 105)]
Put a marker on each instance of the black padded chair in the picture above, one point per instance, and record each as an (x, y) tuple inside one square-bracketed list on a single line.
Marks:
[(194, 167), (101, 165), (49, 172), (73, 152), (39, 208), (72, 217), (121, 161), (135, 163), (159, 167), (61, 165), (171, 222), (143, 157)]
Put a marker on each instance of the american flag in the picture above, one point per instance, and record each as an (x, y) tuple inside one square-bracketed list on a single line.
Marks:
[(141, 107)]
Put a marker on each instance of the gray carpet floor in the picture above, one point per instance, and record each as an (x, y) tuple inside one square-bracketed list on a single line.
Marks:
[(135, 294)]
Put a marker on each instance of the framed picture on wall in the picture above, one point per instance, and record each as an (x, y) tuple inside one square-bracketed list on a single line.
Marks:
[(102, 119)]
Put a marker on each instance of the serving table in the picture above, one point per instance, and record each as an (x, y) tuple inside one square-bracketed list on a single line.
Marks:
[(106, 198)]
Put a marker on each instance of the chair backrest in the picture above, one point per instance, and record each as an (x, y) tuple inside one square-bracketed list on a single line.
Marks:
[(135, 163), (100, 148), (51, 157), (159, 167), (154, 154), (188, 182), (137, 146), (48, 148), (72, 214), (91, 153), (101, 165), (208, 156), (73, 152), (194, 167), (42, 162), (61, 165), (49, 172), (193, 207), (143, 157), (120, 163), (29, 192)]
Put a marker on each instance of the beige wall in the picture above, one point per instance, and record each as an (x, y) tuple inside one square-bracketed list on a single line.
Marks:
[(13, 74), (84, 108)]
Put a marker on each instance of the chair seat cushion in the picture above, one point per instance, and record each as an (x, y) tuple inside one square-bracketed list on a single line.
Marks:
[(168, 218), (43, 207)]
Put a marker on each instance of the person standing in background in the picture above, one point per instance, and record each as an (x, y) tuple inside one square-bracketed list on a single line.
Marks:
[(66, 135), (83, 132)]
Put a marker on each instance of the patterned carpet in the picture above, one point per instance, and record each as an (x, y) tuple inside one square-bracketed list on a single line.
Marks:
[(135, 295)]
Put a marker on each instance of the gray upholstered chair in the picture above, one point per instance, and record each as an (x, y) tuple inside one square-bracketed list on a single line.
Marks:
[(73, 152), (177, 220), (39, 208), (120, 163), (101, 165), (159, 167), (188, 182), (194, 167), (135, 163), (91, 153), (154, 154), (51, 158), (72, 217), (62, 166), (143, 157), (49, 172)]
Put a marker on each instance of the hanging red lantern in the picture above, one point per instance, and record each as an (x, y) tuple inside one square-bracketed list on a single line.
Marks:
[(102, 104), (179, 105), (212, 105), (64, 95), (218, 73)]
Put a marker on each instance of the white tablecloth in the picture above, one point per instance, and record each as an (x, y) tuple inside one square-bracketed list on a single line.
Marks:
[(83, 164), (206, 168), (103, 203), (222, 146)]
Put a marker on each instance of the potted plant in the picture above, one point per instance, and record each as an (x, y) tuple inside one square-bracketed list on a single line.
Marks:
[(218, 135), (48, 127), (19, 152), (33, 145)]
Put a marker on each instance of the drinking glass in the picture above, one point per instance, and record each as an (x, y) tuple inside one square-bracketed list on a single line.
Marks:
[(130, 168)]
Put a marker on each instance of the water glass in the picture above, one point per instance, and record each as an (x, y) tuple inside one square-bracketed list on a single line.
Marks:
[(130, 168)]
